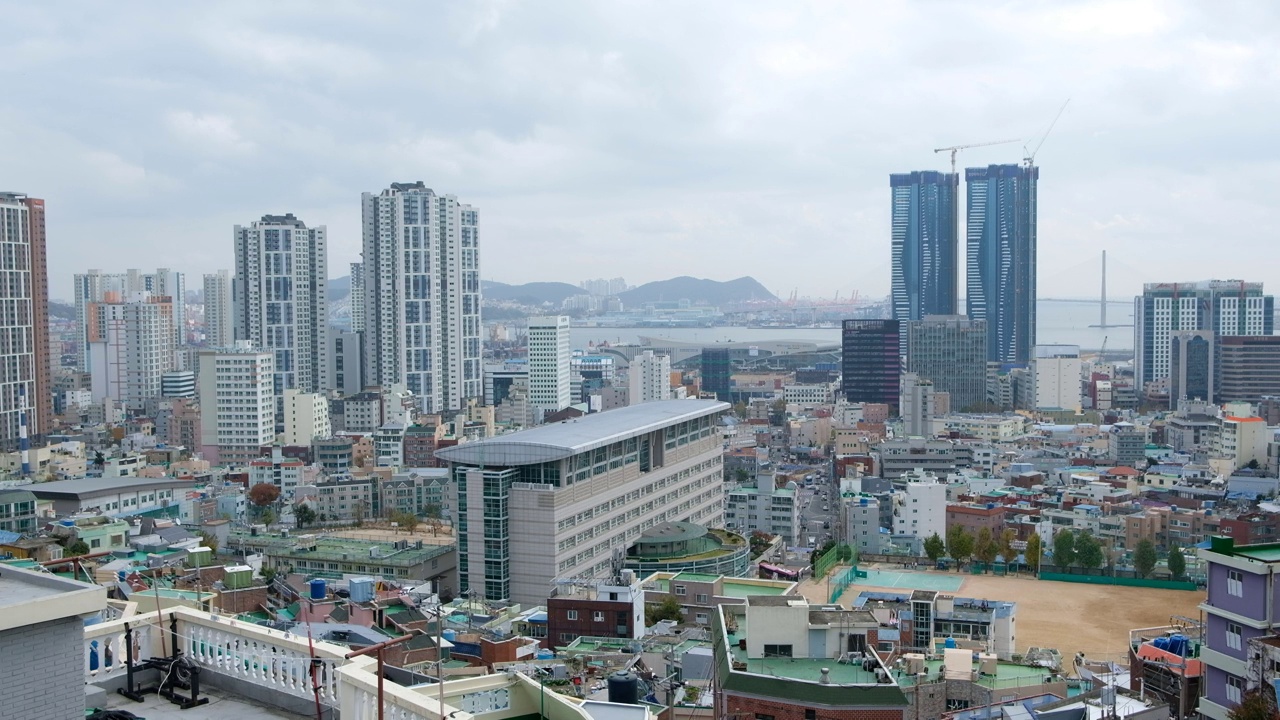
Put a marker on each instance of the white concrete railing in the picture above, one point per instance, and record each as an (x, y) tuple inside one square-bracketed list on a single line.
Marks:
[(268, 658), (264, 657), (281, 662), (105, 651)]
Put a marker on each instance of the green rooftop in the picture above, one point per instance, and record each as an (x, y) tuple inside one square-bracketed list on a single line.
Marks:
[(1008, 675), (1267, 553), (732, 588), (696, 577)]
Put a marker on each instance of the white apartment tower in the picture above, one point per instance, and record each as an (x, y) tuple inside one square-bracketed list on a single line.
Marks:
[(281, 300), (421, 312), (130, 347), (649, 378), (237, 403), (1056, 371), (219, 312), (550, 358), (355, 297), (306, 417), (95, 286)]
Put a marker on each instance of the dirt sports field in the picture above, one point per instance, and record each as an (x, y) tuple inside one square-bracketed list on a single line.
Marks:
[(1071, 617)]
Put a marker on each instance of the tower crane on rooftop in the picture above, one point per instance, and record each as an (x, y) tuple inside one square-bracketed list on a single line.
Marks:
[(956, 148)]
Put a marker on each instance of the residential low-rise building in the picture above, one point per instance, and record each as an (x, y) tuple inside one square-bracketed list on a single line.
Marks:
[(765, 508), (605, 608)]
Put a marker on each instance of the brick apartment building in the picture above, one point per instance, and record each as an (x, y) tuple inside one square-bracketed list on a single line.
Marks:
[(608, 609), (973, 517)]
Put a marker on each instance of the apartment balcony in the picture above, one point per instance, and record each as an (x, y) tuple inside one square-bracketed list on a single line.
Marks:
[(251, 671)]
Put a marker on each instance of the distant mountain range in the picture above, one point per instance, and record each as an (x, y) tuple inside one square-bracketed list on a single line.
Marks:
[(696, 290)]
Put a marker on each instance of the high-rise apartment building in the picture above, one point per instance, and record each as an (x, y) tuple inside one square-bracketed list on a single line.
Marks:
[(559, 501), (26, 385), (130, 344), (346, 362), (355, 298), (306, 417), (921, 403), (237, 403), (421, 266), (1001, 250), (870, 363), (1224, 307), (95, 285), (924, 261), (281, 298), (950, 350), (1192, 375), (550, 355), (1056, 375), (648, 378), (219, 311)]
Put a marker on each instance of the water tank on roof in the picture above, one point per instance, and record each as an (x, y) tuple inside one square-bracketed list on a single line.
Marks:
[(545, 654), (319, 589), (449, 635), (361, 589), (863, 502), (950, 643), (624, 688)]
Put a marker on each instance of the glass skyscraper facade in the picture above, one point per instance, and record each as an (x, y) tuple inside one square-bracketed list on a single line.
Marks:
[(1001, 254), (924, 244), (871, 364)]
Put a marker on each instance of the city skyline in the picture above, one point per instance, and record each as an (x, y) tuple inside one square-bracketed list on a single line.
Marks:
[(771, 133)]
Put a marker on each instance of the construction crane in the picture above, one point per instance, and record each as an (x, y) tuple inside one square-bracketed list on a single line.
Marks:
[(957, 148), (1030, 157)]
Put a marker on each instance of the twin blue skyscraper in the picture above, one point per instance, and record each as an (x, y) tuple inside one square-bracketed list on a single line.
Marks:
[(1000, 252)]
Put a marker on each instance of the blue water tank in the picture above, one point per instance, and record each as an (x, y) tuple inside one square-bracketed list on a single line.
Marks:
[(545, 654), (319, 590), (361, 589), (862, 502), (950, 643), (1178, 644), (121, 575), (449, 635), (1161, 643)]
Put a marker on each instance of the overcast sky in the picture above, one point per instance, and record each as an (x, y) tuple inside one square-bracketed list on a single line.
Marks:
[(649, 139)]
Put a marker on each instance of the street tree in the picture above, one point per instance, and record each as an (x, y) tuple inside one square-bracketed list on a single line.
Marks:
[(1177, 562), (986, 548), (1033, 552), (1144, 557), (1088, 552), (304, 515), (1064, 549), (934, 547)]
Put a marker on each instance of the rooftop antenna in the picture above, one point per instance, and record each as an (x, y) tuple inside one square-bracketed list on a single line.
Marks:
[(1030, 158)]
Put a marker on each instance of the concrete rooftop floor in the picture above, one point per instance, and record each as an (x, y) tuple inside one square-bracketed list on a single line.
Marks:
[(220, 705)]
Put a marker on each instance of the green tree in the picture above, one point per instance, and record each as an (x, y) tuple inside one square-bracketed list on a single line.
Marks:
[(1177, 562), (1064, 549), (268, 574), (1144, 557), (959, 544), (668, 609), (209, 541), (406, 521), (1088, 551), (75, 549), (934, 547), (1033, 551), (267, 516), (432, 511), (304, 515), (741, 475), (1006, 545), (1255, 705), (986, 548)]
